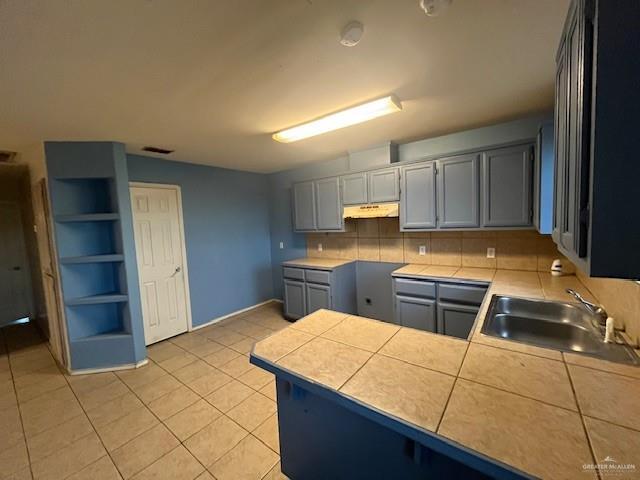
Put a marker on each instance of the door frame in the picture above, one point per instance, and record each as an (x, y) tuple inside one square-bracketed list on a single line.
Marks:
[(25, 261), (187, 289)]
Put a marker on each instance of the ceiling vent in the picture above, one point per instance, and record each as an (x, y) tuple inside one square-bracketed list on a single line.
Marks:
[(161, 151), (6, 157)]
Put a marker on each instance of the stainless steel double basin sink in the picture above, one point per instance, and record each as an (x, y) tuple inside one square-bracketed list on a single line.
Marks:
[(562, 326)]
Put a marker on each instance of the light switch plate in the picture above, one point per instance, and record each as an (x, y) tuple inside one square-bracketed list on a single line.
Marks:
[(422, 250), (319, 247), (491, 252), (281, 245)]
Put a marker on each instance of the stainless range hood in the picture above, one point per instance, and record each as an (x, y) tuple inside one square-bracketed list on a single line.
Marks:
[(371, 211)]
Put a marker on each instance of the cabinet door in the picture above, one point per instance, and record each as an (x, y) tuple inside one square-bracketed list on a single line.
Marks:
[(417, 313), (354, 189), (560, 145), (318, 296), (507, 187), (458, 192), (384, 186), (456, 320), (328, 206), (304, 206), (418, 196), (294, 299)]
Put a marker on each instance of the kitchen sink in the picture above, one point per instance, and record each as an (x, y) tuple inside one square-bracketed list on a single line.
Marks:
[(562, 326)]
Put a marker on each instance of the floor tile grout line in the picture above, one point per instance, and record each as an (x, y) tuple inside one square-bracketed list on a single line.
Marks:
[(582, 421), (24, 433)]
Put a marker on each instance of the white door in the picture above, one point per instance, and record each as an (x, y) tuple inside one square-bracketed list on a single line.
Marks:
[(14, 270), (157, 224)]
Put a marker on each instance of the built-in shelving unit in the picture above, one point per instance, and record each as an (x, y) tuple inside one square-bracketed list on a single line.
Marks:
[(92, 218)]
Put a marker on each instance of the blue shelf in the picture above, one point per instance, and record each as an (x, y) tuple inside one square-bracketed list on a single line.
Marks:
[(93, 259), (88, 217), (102, 336), (95, 299)]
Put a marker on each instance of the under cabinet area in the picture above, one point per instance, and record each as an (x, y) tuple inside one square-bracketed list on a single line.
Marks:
[(446, 308)]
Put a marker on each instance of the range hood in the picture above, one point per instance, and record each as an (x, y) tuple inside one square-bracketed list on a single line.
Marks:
[(371, 211)]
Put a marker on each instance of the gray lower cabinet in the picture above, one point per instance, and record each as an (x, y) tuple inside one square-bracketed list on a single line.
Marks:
[(455, 319), (419, 313), (507, 185), (294, 299), (444, 307), (418, 196), (459, 191), (318, 296), (309, 289)]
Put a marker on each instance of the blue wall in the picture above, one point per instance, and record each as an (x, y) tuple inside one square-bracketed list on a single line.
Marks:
[(226, 220)]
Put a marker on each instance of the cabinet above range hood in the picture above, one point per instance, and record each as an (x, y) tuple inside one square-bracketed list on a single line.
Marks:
[(371, 211)]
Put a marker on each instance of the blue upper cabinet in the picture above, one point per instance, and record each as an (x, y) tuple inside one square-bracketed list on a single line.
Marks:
[(418, 196), (384, 185), (507, 183), (328, 206), (543, 175), (317, 205), (304, 206), (354, 189), (459, 191), (596, 123)]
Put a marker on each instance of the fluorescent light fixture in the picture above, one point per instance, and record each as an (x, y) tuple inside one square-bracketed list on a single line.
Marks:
[(344, 118)]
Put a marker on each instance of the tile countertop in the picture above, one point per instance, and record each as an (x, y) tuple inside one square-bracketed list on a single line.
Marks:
[(542, 411), (320, 263)]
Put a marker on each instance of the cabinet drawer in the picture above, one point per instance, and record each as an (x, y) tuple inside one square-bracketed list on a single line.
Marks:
[(293, 273), (415, 288), (317, 276), (461, 293)]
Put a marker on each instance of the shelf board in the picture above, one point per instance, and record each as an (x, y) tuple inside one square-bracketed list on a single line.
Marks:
[(95, 299), (88, 217), (116, 257), (101, 336)]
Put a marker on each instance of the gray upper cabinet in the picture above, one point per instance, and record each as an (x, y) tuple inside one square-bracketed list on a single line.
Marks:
[(507, 187), (384, 185), (418, 196), (328, 206), (304, 206), (459, 192), (354, 189)]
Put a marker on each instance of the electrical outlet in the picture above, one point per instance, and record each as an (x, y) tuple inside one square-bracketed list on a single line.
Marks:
[(422, 250), (491, 252), (319, 247), (281, 245)]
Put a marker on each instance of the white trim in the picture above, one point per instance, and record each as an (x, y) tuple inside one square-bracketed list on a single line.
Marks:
[(128, 366), (187, 289), (218, 319)]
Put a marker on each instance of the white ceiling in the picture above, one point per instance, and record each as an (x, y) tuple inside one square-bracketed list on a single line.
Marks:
[(213, 79)]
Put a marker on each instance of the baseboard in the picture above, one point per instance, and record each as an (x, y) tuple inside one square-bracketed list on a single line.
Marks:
[(237, 312), (128, 366)]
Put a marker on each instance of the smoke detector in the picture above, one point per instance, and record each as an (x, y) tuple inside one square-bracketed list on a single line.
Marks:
[(351, 34), (433, 8)]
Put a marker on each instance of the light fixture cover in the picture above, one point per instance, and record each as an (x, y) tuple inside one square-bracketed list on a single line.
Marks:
[(345, 118)]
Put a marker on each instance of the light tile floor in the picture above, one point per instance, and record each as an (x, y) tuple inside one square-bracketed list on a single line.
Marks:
[(198, 410)]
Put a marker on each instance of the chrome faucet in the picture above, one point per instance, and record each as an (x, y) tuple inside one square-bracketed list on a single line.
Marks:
[(594, 309)]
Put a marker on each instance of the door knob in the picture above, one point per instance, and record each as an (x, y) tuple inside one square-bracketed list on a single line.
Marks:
[(177, 270)]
